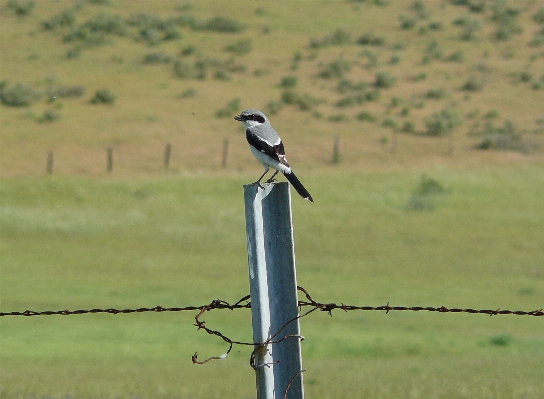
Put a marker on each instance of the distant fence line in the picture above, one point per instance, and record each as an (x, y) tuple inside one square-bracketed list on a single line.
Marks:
[(109, 158), (109, 164)]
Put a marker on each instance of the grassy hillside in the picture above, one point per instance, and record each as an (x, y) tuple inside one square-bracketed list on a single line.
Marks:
[(420, 79)]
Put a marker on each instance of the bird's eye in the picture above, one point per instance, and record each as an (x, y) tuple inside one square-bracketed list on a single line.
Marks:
[(257, 118)]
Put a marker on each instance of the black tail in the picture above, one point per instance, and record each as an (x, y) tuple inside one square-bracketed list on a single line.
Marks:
[(298, 186)]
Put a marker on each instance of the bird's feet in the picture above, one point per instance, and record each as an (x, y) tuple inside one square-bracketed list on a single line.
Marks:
[(259, 184), (271, 180)]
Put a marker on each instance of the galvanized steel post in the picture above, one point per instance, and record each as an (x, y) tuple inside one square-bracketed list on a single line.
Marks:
[(273, 289)]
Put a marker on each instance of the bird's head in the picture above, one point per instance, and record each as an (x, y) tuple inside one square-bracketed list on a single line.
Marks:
[(251, 117)]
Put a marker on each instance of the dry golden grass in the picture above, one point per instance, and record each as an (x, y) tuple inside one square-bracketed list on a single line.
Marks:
[(149, 112)]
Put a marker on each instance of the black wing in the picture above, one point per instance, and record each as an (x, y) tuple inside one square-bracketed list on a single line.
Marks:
[(276, 152)]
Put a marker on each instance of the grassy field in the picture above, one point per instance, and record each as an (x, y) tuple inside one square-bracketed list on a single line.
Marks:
[(81, 243), (413, 213)]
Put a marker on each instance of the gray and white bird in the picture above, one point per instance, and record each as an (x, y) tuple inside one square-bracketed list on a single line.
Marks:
[(267, 147)]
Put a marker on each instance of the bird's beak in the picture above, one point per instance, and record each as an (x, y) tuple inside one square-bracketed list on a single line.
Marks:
[(239, 118)]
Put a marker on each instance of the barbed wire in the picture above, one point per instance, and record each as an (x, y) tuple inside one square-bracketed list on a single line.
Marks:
[(215, 304), (329, 307), (244, 303)]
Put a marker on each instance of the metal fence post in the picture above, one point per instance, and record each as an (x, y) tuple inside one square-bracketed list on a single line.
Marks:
[(273, 289)]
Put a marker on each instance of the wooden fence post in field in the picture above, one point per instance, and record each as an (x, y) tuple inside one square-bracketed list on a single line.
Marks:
[(167, 152), (225, 153), (110, 160), (50, 162), (273, 289), (450, 144), (336, 150)]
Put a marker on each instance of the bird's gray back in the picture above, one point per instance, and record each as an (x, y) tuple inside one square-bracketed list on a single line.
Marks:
[(266, 132)]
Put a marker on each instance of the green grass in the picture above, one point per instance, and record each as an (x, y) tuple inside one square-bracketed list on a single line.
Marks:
[(177, 241)]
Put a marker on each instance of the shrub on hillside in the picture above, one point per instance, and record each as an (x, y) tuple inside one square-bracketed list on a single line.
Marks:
[(288, 82), (153, 29), (407, 23), (335, 69), (17, 95), (366, 116), (390, 122), (241, 47), (151, 36), (371, 57), (338, 118), (371, 39), (21, 7), (156, 58), (432, 52), (359, 98), (505, 16), (538, 39), (436, 25), (435, 93), (443, 122), (384, 80), (103, 96), (221, 25), (476, 6), (408, 127), (273, 107), (85, 35), (472, 84), (539, 84), (304, 101), (66, 91), (419, 77), (338, 38), (94, 31), (63, 19), (222, 74), (346, 85), (107, 23), (504, 137), (538, 17), (419, 9), (394, 60), (470, 26), (183, 70), (171, 33), (73, 52), (187, 51), (456, 56), (188, 93), (48, 116), (230, 109), (507, 29)]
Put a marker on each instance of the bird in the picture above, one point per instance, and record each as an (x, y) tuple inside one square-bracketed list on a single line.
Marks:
[(265, 143)]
